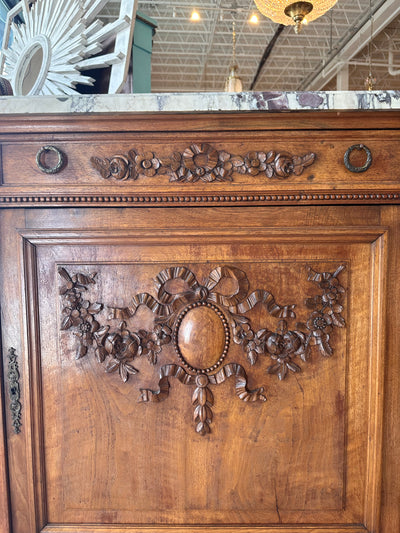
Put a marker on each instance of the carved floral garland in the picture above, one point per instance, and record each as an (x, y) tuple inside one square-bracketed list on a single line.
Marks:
[(118, 347), (201, 162)]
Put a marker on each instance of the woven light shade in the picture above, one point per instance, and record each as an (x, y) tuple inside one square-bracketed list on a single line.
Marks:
[(309, 11)]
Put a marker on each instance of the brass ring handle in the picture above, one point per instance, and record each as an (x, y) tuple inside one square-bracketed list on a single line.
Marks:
[(61, 159), (366, 165)]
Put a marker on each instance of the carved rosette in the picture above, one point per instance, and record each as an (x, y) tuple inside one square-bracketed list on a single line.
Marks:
[(185, 318), (202, 162)]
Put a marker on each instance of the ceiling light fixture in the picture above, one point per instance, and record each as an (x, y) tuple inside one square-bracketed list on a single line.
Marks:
[(254, 19), (233, 83), (195, 16), (370, 80), (292, 13)]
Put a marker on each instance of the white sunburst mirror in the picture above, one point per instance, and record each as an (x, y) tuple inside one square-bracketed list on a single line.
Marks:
[(57, 41)]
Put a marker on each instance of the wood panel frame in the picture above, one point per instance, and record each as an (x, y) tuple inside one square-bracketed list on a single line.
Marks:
[(377, 237)]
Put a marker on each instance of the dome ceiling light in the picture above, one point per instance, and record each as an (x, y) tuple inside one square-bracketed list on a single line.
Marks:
[(294, 13)]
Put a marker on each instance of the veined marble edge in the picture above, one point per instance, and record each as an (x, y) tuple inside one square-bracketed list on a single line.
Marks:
[(202, 102)]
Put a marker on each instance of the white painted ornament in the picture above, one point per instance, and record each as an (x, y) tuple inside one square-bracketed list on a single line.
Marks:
[(57, 42)]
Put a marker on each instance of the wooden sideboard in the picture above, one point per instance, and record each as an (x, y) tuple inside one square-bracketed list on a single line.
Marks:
[(200, 323)]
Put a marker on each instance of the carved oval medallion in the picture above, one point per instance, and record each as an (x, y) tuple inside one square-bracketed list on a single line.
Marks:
[(201, 337)]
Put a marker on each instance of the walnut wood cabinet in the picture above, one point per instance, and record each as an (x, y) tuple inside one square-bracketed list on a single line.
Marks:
[(200, 323)]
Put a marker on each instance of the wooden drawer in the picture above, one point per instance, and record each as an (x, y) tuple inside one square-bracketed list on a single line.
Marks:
[(241, 165)]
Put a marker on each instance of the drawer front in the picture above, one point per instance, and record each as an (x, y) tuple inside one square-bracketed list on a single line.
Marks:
[(238, 165)]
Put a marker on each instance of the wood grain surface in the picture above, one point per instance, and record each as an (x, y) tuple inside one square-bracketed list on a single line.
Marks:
[(201, 310)]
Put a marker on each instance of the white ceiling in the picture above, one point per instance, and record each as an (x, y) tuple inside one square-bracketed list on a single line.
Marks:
[(190, 56)]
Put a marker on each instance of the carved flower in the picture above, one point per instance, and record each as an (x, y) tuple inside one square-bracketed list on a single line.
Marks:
[(334, 311), (163, 333), (242, 333), (283, 165), (332, 290), (87, 327), (72, 285), (282, 347), (319, 323), (255, 162), (175, 161), (150, 344), (253, 343), (119, 168), (223, 171), (79, 314), (148, 164), (201, 160), (122, 348), (255, 346)]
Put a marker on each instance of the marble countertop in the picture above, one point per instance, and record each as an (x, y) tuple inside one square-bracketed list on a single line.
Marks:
[(201, 102)]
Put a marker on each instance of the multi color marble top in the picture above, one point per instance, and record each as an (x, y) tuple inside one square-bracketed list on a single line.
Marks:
[(202, 102)]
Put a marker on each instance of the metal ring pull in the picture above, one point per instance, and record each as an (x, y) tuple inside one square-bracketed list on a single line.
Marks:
[(366, 165), (61, 159)]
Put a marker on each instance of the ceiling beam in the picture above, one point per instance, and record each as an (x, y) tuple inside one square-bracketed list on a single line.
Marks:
[(383, 16)]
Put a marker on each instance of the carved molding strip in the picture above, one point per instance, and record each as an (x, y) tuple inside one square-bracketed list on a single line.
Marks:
[(14, 389), (181, 318), (142, 199), (202, 162)]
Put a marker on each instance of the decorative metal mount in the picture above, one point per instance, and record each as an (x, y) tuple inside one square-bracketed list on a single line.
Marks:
[(184, 319), (202, 162), (14, 389)]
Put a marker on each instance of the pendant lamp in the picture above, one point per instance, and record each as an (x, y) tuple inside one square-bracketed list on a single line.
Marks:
[(288, 12), (233, 83)]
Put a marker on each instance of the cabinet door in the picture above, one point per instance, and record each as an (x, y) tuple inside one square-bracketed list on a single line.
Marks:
[(198, 369)]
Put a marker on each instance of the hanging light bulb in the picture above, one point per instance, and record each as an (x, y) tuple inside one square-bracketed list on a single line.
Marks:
[(254, 19), (292, 13), (233, 84), (195, 16)]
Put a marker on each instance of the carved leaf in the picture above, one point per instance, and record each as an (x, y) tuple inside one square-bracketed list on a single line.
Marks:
[(273, 369), (237, 161), (102, 166), (252, 357), (83, 279), (125, 369), (95, 308), (324, 346), (338, 320), (293, 367), (202, 396), (202, 428), (224, 156), (203, 413), (130, 369), (123, 373), (282, 372), (112, 366), (81, 351), (101, 335), (270, 156), (300, 163), (66, 322), (101, 354)]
